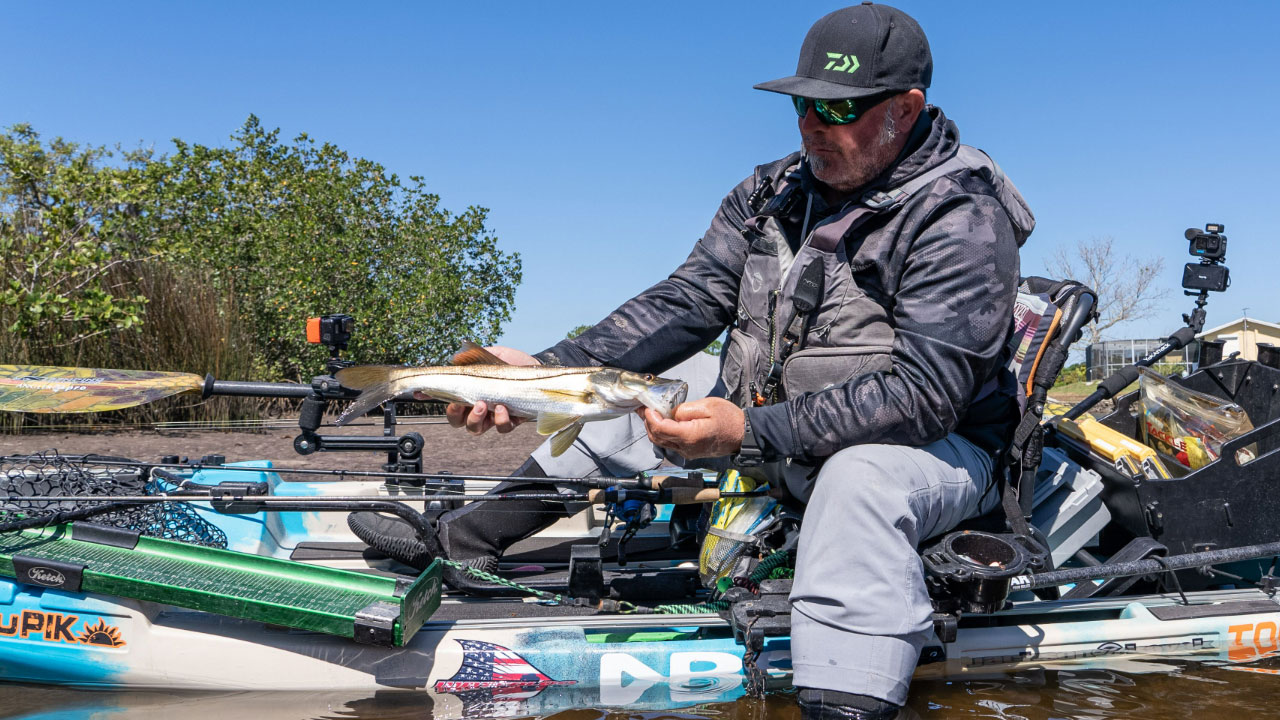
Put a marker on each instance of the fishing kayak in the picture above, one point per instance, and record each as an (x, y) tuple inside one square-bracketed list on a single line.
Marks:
[(481, 658), (484, 657)]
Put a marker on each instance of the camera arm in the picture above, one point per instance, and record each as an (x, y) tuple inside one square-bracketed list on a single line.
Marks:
[(1211, 247)]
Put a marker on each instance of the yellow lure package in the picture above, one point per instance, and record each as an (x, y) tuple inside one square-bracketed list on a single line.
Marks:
[(733, 520)]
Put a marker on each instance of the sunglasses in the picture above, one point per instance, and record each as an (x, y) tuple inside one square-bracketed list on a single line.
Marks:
[(837, 112)]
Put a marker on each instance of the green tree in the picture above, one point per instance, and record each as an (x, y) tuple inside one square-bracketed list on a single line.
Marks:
[(1071, 374), (301, 229), (66, 237), (276, 231)]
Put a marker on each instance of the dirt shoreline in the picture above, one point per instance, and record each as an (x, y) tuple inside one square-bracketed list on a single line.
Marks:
[(445, 448)]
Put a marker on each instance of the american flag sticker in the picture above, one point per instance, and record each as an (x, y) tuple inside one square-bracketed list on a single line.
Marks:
[(494, 677)]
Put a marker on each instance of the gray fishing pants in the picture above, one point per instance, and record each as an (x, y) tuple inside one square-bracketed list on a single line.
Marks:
[(861, 613)]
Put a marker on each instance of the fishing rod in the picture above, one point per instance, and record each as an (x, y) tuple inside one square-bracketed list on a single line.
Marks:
[(230, 505), (1150, 566), (644, 482), (242, 504), (671, 496), (244, 424)]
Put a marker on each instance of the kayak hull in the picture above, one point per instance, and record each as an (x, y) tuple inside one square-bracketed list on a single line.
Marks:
[(522, 665)]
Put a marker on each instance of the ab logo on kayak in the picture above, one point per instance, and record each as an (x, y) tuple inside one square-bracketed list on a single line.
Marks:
[(58, 628)]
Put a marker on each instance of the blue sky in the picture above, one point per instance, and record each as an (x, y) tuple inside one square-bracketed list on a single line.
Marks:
[(602, 136)]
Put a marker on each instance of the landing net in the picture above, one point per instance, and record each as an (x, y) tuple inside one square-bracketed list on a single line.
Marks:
[(79, 478)]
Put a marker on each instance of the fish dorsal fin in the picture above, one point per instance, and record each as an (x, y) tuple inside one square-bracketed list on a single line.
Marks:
[(550, 423), (473, 354), (564, 439)]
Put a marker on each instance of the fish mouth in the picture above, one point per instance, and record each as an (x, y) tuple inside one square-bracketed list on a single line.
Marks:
[(665, 397)]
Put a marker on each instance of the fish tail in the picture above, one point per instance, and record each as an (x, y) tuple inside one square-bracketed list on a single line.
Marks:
[(373, 396)]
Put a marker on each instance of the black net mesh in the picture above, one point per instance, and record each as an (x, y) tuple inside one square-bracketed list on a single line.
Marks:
[(80, 478)]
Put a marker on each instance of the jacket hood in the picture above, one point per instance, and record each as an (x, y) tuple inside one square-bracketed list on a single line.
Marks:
[(941, 141), (934, 140)]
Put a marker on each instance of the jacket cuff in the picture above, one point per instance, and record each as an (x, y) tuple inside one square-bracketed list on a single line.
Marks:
[(771, 425)]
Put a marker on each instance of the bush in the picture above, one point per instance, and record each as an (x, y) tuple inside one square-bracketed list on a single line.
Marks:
[(1071, 374), (298, 230), (211, 259)]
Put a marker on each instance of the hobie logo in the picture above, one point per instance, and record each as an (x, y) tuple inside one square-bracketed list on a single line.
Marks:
[(46, 576), (840, 62)]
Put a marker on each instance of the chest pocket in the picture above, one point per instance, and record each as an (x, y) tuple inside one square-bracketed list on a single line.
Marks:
[(848, 334)]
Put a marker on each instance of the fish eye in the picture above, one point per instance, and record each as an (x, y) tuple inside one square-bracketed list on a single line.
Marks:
[(648, 377)]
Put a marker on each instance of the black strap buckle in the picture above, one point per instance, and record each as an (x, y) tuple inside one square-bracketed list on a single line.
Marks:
[(750, 454)]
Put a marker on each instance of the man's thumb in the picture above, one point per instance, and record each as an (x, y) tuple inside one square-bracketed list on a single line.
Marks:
[(689, 411)]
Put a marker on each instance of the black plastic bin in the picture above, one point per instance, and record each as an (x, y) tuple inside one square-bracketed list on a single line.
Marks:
[(1223, 504)]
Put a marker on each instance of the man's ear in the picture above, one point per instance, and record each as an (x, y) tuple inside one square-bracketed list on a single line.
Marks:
[(907, 107)]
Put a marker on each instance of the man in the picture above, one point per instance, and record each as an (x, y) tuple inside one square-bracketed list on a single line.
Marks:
[(867, 284)]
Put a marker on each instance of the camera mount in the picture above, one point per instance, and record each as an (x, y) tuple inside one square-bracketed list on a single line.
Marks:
[(1198, 279), (1210, 245), (404, 452)]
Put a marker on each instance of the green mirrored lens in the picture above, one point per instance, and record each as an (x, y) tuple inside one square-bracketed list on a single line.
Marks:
[(832, 112), (837, 112)]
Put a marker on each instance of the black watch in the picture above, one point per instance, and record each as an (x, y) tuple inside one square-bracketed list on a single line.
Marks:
[(750, 454)]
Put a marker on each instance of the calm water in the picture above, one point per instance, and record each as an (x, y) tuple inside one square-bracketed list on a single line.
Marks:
[(1188, 691)]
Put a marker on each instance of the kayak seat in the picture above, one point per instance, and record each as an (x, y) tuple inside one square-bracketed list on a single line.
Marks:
[(1049, 316)]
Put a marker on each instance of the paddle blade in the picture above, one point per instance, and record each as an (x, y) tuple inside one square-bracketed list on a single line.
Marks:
[(42, 389)]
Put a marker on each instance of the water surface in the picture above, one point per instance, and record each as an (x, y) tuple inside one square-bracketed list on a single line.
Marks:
[(1188, 690)]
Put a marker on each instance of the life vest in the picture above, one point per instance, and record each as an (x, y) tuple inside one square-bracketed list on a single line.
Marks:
[(805, 321)]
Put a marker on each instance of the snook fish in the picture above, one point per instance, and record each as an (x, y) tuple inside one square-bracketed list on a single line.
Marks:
[(560, 398)]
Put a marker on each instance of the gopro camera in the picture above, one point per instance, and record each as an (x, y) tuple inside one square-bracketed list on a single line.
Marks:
[(1210, 245), (333, 331)]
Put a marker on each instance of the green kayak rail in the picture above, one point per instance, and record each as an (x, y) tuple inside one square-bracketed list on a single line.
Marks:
[(81, 557)]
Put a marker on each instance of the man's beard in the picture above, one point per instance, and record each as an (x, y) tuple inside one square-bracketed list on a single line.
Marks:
[(860, 169)]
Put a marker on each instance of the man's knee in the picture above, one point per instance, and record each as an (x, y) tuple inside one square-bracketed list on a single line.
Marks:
[(862, 478), (932, 487)]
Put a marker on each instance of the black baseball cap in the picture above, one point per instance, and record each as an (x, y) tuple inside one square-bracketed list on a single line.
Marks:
[(859, 51)]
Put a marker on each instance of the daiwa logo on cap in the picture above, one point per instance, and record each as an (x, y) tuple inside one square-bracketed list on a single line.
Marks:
[(848, 63)]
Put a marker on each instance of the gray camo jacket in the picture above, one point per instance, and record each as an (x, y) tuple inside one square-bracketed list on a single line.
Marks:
[(944, 267)]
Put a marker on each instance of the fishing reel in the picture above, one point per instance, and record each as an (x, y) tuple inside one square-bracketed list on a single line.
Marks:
[(634, 508)]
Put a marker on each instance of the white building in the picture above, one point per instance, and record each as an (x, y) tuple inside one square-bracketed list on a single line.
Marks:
[(1242, 335)]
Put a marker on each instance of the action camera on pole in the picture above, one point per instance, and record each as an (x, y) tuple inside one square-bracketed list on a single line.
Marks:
[(1210, 245)]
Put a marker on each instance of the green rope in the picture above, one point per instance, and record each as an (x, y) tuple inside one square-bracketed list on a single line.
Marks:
[(498, 580), (767, 566), (695, 609)]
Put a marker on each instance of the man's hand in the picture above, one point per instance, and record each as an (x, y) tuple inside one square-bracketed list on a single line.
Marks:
[(480, 417), (707, 428)]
